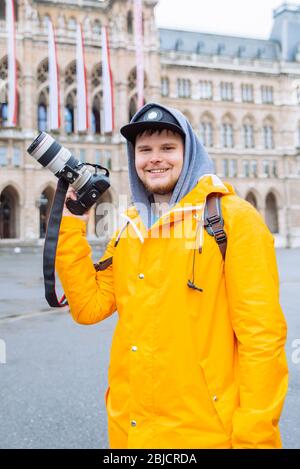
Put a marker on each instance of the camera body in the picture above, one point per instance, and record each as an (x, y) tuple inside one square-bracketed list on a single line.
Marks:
[(88, 186)]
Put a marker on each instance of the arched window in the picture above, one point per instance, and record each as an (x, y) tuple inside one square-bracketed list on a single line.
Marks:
[(44, 203), (72, 24), (130, 22), (272, 213), (42, 113), (97, 27), (165, 85), (9, 207), (227, 136), (46, 20), (268, 134), (206, 131), (248, 133), (69, 115)]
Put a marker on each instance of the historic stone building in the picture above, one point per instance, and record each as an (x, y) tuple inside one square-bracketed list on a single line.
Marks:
[(242, 96)]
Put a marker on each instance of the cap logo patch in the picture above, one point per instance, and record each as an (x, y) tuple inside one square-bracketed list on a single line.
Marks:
[(153, 115)]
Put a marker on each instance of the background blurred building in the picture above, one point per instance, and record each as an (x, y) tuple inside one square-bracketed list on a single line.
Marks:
[(241, 95)]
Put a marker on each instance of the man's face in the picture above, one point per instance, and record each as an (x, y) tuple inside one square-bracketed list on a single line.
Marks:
[(159, 160)]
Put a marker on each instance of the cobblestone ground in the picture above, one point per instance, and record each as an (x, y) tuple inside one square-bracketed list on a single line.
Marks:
[(53, 383)]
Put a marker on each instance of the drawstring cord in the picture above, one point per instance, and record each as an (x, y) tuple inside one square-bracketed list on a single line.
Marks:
[(191, 283)]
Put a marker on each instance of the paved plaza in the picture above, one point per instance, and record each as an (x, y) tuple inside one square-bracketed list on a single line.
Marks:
[(55, 375)]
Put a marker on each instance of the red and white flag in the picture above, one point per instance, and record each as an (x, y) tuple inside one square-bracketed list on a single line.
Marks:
[(12, 64), (54, 101), (82, 99), (107, 83), (138, 27)]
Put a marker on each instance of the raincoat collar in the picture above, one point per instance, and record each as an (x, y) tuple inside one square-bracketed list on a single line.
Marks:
[(193, 202)]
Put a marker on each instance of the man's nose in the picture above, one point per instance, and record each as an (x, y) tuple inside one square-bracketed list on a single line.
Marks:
[(155, 156)]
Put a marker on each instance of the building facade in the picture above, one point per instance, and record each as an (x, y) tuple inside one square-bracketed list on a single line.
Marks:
[(241, 95)]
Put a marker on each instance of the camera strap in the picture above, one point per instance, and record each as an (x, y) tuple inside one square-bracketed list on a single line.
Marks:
[(50, 245)]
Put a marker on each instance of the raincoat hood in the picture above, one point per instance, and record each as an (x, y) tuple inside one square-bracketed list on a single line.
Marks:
[(196, 163)]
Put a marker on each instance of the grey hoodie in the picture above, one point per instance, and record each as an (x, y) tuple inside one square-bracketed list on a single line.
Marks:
[(196, 163)]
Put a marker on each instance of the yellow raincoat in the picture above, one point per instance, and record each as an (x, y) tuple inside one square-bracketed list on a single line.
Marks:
[(188, 369)]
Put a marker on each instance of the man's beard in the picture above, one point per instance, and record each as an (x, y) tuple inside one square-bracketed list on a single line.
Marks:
[(160, 189)]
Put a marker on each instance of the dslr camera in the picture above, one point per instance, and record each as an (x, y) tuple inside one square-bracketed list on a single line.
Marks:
[(88, 186)]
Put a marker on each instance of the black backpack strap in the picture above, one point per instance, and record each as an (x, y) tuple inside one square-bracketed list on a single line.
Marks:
[(214, 222)]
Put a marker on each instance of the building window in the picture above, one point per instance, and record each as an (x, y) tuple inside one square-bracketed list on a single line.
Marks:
[(42, 118), (3, 114), (274, 169), (298, 143), (232, 168), (96, 120), (254, 168), (183, 88), (247, 93), (130, 22), (227, 135), (225, 168), (206, 133), (267, 94), (226, 91), (16, 157), (248, 136), (82, 155), (214, 165), (165, 86), (3, 156), (205, 90), (98, 157), (107, 159), (246, 168), (268, 137), (69, 115), (97, 27), (266, 168)]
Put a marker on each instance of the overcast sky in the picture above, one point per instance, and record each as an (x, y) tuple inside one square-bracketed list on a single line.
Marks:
[(250, 18)]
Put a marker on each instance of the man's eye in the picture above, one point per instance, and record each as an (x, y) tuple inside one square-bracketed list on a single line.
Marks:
[(168, 148)]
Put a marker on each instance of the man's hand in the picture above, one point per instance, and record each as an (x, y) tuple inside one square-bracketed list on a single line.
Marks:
[(66, 212)]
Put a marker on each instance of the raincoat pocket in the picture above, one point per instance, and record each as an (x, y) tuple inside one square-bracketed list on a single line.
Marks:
[(215, 398)]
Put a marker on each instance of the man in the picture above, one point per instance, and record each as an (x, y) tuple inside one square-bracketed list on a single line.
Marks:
[(197, 358)]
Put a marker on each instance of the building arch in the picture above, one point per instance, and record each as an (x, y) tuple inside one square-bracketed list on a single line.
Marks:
[(271, 213), (44, 205), (252, 199), (9, 213)]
